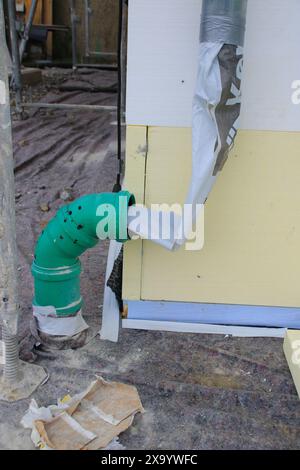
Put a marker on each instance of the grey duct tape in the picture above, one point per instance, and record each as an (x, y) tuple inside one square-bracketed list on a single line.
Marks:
[(223, 21)]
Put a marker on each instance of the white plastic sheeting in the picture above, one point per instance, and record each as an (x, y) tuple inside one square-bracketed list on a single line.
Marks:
[(216, 110), (111, 311)]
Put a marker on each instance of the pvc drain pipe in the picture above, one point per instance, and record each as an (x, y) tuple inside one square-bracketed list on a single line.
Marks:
[(75, 228)]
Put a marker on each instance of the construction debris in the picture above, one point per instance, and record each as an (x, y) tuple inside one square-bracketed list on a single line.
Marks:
[(66, 194), (44, 206), (88, 421)]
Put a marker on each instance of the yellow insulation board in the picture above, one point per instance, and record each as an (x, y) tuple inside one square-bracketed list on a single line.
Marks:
[(252, 221)]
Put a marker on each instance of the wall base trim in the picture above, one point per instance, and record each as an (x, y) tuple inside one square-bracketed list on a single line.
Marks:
[(217, 314), (241, 331)]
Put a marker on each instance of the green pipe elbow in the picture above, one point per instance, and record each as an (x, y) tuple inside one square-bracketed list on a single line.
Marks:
[(75, 228)]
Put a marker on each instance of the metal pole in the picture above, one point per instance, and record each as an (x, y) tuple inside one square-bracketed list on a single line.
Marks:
[(97, 66), (88, 12), (124, 60), (9, 306), (102, 54), (17, 78), (27, 28), (19, 379), (74, 20), (117, 186), (88, 107)]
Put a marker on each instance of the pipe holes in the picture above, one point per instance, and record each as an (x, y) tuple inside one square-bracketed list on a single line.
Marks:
[(79, 227), (65, 220), (70, 212), (61, 237), (75, 242), (79, 208)]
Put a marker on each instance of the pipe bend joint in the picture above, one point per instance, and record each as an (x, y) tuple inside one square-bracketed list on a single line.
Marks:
[(75, 228)]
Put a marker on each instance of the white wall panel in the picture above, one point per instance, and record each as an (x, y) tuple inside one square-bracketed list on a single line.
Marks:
[(162, 63)]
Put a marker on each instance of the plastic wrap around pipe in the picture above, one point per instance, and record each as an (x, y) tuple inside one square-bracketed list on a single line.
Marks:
[(223, 21)]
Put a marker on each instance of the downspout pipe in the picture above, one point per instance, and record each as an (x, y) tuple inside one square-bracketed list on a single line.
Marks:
[(75, 228), (217, 99), (223, 21)]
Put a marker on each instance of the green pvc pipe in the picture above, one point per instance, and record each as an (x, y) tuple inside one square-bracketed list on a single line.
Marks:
[(75, 228)]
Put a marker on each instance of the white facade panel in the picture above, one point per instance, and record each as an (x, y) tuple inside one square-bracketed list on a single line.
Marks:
[(162, 63)]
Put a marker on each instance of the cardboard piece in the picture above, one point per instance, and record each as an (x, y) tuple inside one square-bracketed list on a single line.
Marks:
[(90, 420)]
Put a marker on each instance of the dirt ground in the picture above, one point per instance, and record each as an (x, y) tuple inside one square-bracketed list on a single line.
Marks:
[(199, 391)]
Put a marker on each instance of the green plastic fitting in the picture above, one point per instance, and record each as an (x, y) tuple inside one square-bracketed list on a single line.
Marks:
[(75, 228)]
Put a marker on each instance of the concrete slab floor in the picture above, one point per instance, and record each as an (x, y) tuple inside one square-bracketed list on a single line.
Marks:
[(199, 391)]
